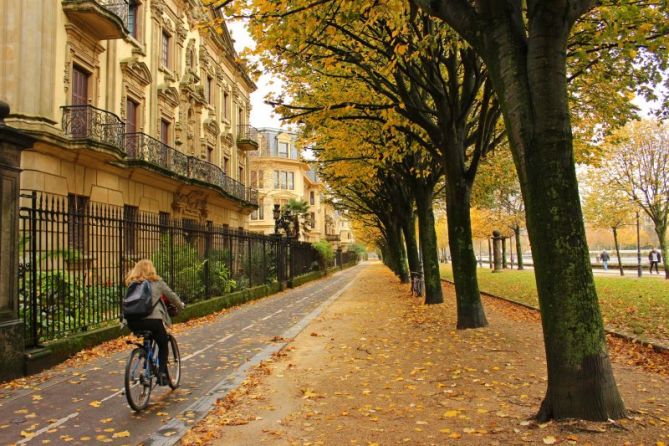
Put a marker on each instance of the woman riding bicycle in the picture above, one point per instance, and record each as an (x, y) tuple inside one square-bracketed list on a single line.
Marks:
[(159, 319)]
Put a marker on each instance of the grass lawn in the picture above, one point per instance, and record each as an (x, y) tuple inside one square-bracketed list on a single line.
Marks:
[(630, 305)]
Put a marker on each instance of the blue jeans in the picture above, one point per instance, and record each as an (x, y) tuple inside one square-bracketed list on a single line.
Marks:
[(606, 265)]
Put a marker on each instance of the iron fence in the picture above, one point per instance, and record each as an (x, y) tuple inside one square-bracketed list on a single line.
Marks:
[(74, 256)]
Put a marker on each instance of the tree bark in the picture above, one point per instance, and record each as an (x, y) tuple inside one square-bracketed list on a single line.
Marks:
[(519, 247), (468, 299), (409, 231), (504, 264), (530, 79), (428, 245), (397, 252), (615, 241)]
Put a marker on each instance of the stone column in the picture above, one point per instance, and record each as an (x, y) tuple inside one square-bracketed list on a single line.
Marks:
[(11, 326), (497, 251)]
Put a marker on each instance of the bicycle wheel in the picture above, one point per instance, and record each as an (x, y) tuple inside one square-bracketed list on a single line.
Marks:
[(137, 387), (173, 363)]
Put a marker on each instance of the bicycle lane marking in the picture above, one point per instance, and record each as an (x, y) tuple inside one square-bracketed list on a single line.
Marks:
[(72, 415), (175, 428)]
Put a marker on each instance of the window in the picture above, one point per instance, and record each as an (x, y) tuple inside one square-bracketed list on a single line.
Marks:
[(226, 164), (210, 154), (76, 219), (80, 79), (165, 131), (241, 174), (312, 198), (165, 50), (226, 97), (259, 214), (261, 180), (132, 108), (284, 180), (130, 228), (210, 90), (133, 17), (254, 179), (312, 219), (283, 149), (240, 116)]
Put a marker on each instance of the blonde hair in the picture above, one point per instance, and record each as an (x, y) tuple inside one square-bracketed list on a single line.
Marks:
[(143, 270)]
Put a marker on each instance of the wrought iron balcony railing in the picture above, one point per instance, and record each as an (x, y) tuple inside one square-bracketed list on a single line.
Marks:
[(142, 147), (102, 19), (85, 122), (247, 137), (120, 8)]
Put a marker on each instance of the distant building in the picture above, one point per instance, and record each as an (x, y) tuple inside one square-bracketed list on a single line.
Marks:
[(133, 103), (280, 173)]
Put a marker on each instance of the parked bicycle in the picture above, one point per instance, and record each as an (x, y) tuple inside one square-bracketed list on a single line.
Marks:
[(416, 283), (141, 370)]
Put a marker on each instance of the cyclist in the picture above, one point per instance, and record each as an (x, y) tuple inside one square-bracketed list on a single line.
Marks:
[(159, 320)]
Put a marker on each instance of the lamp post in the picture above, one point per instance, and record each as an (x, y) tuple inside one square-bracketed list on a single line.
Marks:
[(638, 245)]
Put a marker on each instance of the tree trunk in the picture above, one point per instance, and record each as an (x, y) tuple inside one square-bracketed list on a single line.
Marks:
[(661, 231), (490, 260), (397, 252), (409, 231), (519, 247), (428, 245), (615, 241), (532, 88), (468, 299), (504, 265)]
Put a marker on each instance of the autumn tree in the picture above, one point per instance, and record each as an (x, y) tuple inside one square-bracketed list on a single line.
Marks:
[(423, 74), (525, 46), (605, 206), (638, 165)]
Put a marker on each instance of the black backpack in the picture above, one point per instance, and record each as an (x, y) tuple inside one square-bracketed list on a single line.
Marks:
[(137, 301)]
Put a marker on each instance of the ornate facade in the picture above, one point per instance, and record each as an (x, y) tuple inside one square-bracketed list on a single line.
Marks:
[(280, 173), (135, 103)]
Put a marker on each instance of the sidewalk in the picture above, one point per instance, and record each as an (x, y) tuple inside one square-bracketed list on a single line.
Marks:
[(379, 368)]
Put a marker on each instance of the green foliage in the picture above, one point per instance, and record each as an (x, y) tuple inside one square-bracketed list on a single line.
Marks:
[(188, 267), (325, 252), (359, 250)]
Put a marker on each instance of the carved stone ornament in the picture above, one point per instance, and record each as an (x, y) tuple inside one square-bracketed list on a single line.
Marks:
[(168, 94), (191, 203), (157, 8), (137, 70), (211, 127)]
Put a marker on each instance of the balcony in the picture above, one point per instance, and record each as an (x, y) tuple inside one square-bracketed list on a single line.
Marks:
[(149, 151), (247, 138), (332, 237), (102, 19), (93, 125)]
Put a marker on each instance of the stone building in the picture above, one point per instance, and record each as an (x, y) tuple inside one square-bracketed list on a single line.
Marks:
[(280, 172), (141, 104)]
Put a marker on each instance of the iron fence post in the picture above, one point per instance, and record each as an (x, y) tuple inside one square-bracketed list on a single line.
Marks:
[(207, 260), (121, 228), (33, 271), (171, 254), (264, 262)]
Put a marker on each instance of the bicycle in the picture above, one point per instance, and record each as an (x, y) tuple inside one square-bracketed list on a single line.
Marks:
[(141, 370), (416, 284)]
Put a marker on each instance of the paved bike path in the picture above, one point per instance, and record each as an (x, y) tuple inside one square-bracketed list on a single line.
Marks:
[(86, 406)]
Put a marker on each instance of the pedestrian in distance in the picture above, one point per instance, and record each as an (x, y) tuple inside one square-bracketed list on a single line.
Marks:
[(654, 257), (158, 321), (604, 257)]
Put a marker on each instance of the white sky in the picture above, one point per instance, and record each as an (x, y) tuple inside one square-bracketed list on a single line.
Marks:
[(261, 113)]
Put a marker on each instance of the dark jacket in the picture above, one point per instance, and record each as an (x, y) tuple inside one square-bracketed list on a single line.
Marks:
[(659, 256)]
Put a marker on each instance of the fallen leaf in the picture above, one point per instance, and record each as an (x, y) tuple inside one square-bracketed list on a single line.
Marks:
[(95, 403), (122, 434), (549, 439)]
